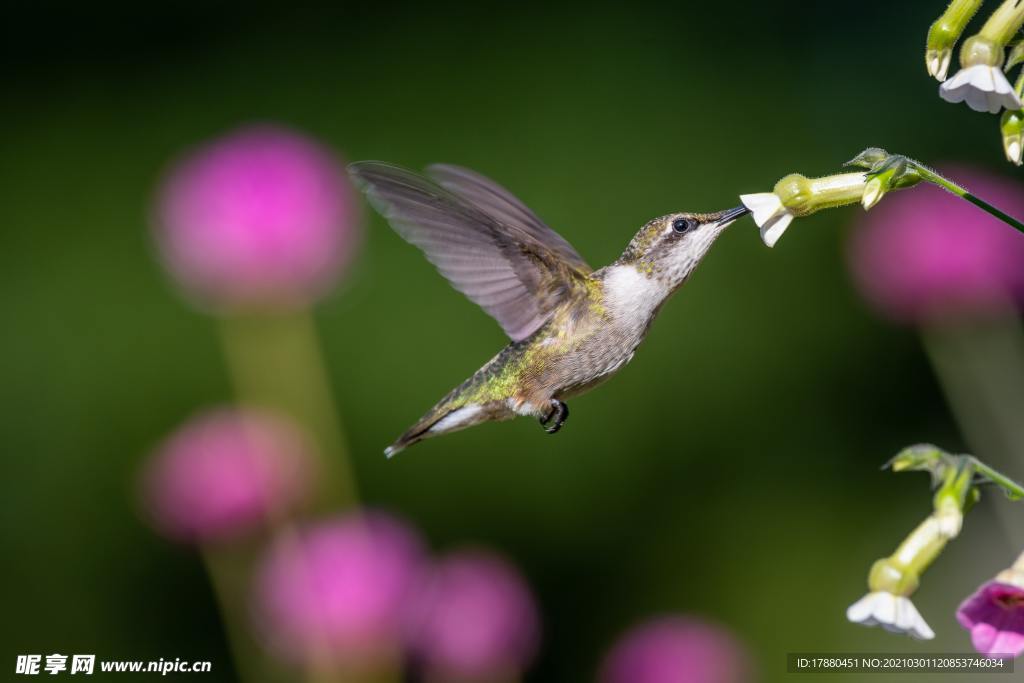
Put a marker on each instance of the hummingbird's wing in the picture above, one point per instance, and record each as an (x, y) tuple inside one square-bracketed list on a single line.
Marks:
[(501, 204), (484, 250)]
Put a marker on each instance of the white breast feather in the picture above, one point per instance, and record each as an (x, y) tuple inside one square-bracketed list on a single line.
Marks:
[(632, 296)]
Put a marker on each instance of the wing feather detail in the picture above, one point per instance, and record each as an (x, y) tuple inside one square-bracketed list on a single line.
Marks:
[(501, 204), (483, 240)]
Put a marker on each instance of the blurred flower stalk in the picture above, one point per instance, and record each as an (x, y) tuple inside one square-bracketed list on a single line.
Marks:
[(796, 195), (981, 81), (255, 227)]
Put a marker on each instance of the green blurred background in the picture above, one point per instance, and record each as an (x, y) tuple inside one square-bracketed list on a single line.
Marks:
[(731, 471)]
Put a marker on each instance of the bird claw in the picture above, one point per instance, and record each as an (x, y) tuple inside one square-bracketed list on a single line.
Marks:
[(555, 418)]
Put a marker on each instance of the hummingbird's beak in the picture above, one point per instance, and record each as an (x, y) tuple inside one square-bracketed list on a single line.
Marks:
[(729, 215)]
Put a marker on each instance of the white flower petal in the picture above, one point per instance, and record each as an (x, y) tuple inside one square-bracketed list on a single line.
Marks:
[(944, 65), (1000, 84), (763, 205), (769, 213), (885, 610), (772, 230), (893, 613), (980, 78), (913, 623), (983, 87), (978, 100), (953, 89), (1010, 100), (904, 619), (861, 611), (921, 630)]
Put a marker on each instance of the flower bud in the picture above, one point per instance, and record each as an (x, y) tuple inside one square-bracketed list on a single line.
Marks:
[(1012, 127), (922, 456), (944, 33), (870, 158)]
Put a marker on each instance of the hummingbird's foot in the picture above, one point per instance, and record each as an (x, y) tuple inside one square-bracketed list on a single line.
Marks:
[(554, 420)]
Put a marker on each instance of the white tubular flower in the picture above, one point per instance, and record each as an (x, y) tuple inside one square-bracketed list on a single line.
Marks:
[(894, 579), (894, 613), (983, 87), (796, 195), (980, 82), (770, 214)]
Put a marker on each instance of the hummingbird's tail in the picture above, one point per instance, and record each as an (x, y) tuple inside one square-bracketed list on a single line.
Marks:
[(448, 417)]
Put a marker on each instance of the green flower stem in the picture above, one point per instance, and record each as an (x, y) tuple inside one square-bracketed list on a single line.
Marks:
[(226, 580), (1014, 490), (1004, 23), (957, 483), (275, 363), (948, 185)]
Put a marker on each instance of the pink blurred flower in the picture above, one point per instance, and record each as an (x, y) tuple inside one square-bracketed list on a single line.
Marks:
[(475, 619), (339, 591), (223, 473), (261, 216), (676, 649), (924, 253), (995, 617)]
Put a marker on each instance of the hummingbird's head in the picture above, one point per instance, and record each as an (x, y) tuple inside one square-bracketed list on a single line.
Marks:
[(670, 247)]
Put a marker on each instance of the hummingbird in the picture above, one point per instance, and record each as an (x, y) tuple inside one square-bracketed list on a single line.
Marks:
[(570, 327)]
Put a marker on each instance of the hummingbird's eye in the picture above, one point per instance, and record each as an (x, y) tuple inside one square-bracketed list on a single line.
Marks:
[(682, 225)]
